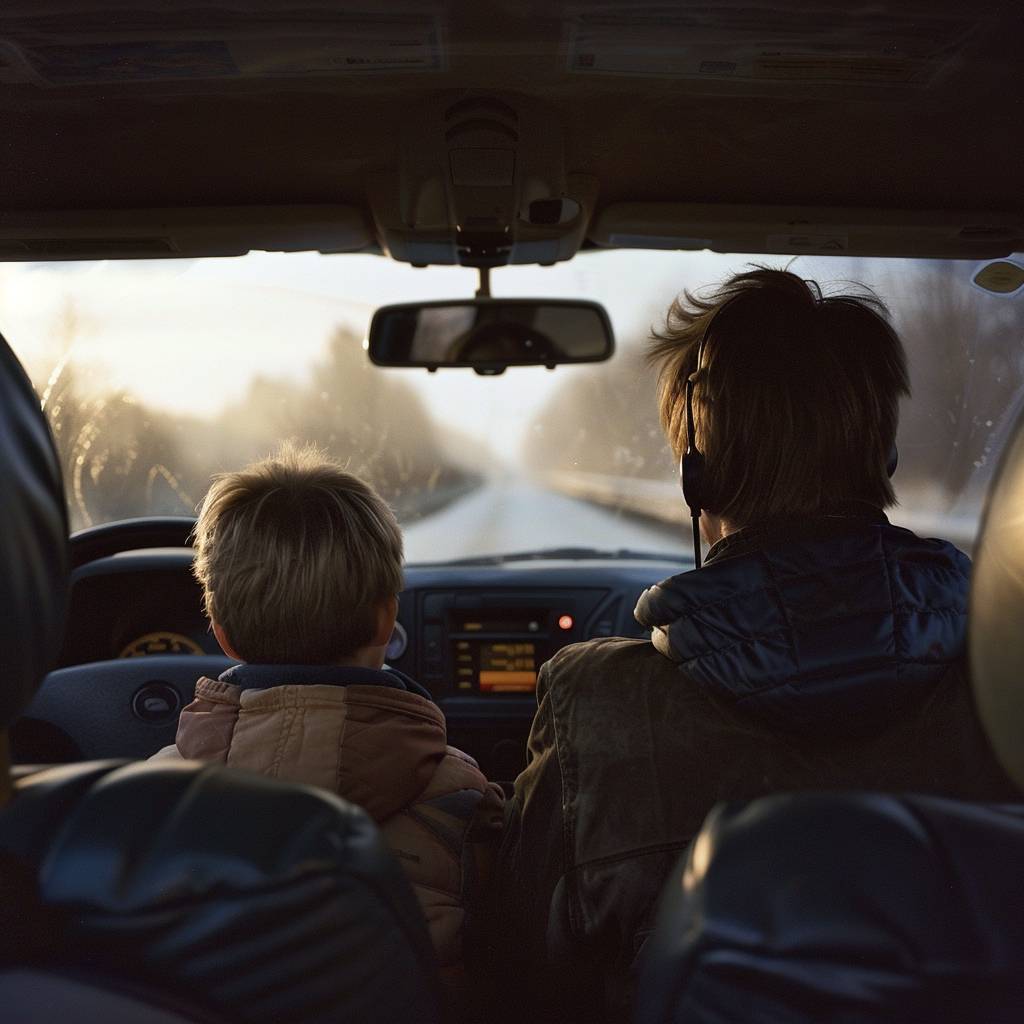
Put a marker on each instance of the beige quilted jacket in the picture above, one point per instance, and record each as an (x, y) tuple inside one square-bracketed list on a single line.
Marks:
[(382, 748)]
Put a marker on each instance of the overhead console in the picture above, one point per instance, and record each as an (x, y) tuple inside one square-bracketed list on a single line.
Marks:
[(482, 182)]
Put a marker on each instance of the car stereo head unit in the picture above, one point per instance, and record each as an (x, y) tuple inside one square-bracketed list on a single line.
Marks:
[(498, 650), (491, 644)]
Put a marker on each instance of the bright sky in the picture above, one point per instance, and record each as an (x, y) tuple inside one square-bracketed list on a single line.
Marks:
[(190, 335)]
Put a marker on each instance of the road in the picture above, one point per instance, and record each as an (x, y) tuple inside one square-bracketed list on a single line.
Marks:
[(515, 515)]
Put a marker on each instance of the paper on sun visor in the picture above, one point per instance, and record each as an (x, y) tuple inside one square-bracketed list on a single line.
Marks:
[(1001, 277), (374, 46), (765, 44), (349, 45)]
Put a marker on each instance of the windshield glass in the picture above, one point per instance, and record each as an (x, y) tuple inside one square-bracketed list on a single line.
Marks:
[(158, 374)]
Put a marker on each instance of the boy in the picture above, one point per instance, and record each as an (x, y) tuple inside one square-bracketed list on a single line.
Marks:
[(300, 565)]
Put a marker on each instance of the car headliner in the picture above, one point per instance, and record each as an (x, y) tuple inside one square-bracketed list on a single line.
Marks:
[(935, 125)]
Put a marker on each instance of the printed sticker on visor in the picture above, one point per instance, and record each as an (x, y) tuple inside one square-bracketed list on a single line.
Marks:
[(350, 44), (1001, 277), (89, 63)]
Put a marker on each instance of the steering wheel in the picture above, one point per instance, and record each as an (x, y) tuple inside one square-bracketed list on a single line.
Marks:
[(128, 534), (124, 707), (127, 707)]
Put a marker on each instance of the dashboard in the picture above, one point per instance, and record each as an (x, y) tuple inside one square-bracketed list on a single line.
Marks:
[(475, 635)]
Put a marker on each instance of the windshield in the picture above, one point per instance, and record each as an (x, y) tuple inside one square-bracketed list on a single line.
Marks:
[(158, 374)]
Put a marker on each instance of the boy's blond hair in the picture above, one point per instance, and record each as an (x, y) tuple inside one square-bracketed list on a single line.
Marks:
[(295, 557)]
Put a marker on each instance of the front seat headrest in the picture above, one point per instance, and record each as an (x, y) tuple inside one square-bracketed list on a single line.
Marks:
[(33, 541), (996, 631)]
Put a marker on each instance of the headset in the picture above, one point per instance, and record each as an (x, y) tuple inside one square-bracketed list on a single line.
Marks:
[(691, 462)]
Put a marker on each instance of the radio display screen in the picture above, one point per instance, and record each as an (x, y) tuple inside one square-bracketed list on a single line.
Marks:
[(496, 666), (498, 651), (508, 667)]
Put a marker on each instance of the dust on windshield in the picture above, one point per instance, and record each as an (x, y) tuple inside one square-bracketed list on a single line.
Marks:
[(155, 375)]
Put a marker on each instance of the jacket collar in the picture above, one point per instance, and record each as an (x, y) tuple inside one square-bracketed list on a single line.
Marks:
[(262, 677), (792, 529), (841, 619)]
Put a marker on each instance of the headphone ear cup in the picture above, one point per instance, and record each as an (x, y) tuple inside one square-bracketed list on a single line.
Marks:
[(691, 476), (892, 462)]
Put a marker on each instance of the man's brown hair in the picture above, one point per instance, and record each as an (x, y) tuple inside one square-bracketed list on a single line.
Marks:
[(796, 402), (295, 557)]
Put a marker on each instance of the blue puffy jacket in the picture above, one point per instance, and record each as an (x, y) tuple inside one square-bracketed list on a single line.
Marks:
[(839, 621), (820, 654)]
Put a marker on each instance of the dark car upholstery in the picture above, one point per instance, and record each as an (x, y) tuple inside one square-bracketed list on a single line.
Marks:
[(33, 541), (34, 996), (852, 908), (243, 896), (867, 907), (263, 901)]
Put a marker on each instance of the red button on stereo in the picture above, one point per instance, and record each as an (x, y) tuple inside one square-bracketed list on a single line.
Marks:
[(565, 622)]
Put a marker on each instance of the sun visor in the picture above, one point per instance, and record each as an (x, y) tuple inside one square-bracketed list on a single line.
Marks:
[(190, 232), (997, 612), (238, 42), (771, 45), (800, 230)]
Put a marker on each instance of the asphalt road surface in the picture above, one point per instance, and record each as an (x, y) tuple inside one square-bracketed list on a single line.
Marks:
[(507, 516)]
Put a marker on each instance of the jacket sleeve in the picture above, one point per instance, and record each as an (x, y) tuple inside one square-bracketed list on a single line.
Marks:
[(483, 837), (525, 925), (169, 753)]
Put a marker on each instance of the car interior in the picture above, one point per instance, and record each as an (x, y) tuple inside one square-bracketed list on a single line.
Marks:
[(483, 207)]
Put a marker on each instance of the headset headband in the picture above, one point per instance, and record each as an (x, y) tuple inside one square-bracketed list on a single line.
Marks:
[(691, 465)]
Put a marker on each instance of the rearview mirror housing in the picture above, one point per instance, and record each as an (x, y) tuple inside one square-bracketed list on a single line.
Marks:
[(489, 335)]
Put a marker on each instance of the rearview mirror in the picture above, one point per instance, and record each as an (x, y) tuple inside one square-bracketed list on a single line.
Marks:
[(490, 334)]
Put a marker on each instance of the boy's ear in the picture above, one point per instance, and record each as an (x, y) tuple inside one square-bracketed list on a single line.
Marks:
[(225, 643), (386, 615)]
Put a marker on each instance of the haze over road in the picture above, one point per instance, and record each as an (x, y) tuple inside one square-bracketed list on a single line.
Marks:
[(505, 516)]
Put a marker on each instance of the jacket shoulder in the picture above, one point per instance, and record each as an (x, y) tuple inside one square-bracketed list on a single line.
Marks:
[(606, 662), (610, 648), (456, 771), (935, 564), (460, 795)]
